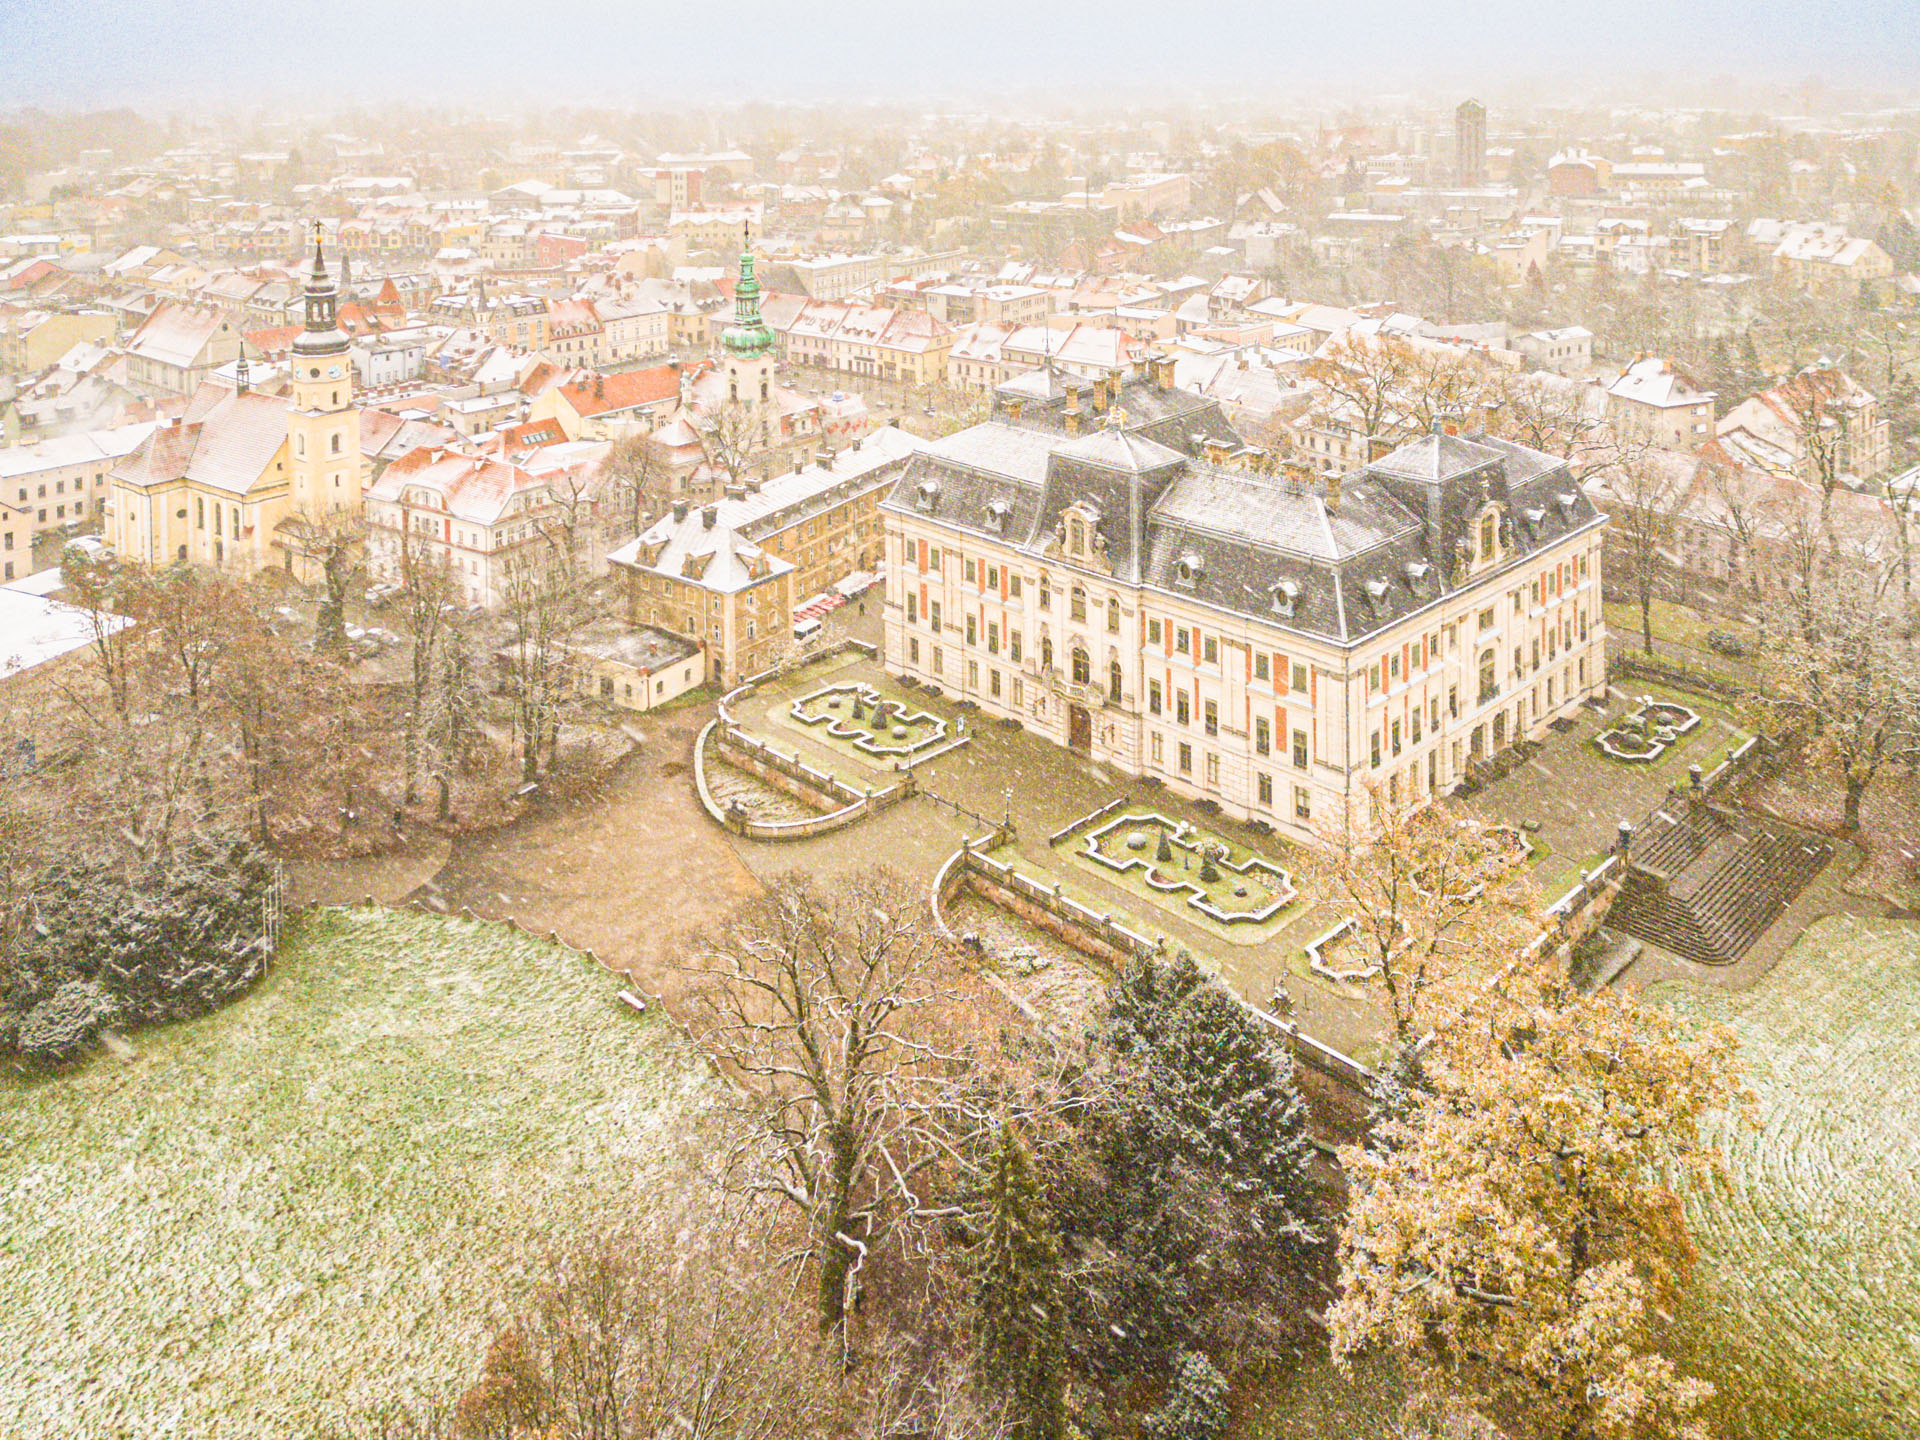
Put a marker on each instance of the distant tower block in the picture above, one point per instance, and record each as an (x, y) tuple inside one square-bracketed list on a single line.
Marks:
[(1470, 143)]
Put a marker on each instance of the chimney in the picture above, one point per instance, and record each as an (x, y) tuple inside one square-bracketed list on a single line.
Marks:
[(1014, 407), (1379, 445), (1100, 396), (1163, 372), (1333, 492), (1216, 452), (1299, 475), (679, 510), (708, 514), (736, 492)]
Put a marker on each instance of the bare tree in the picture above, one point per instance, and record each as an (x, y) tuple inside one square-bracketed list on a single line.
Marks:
[(1642, 496), (429, 595), (1844, 666), (843, 1010), (330, 543), (637, 482), (731, 434), (1368, 376), (669, 1324)]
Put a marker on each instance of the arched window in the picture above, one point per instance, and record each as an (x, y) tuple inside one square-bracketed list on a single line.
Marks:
[(1077, 604), (336, 444), (1046, 647), (1113, 681), (1076, 537), (1113, 617), (1489, 530), (1082, 667), (300, 446)]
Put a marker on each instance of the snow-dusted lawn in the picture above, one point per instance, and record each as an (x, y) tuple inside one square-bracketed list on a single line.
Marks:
[(1808, 1314), (316, 1199)]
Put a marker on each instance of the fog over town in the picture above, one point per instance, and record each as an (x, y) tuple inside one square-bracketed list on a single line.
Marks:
[(849, 721)]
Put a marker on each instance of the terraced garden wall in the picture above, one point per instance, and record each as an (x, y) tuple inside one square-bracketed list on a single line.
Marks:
[(841, 804)]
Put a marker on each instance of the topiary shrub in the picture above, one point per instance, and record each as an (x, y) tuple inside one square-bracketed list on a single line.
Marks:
[(1164, 853), (1209, 872)]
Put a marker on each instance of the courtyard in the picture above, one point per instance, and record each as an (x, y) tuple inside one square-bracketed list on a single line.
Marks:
[(1576, 795)]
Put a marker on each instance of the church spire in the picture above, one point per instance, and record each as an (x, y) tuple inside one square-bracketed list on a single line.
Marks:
[(749, 337), (322, 335)]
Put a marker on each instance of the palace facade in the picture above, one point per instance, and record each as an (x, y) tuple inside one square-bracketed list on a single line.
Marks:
[(1093, 562)]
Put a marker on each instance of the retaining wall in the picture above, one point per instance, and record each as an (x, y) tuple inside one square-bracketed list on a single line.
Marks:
[(1103, 938), (841, 803)]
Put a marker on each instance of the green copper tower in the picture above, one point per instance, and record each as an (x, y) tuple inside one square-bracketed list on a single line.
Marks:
[(748, 337)]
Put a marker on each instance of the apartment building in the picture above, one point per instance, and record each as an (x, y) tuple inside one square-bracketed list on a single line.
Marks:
[(1655, 402), (1281, 646), (483, 519), (57, 484)]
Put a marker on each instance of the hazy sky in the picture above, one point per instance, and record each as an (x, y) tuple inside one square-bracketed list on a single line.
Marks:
[(90, 52)]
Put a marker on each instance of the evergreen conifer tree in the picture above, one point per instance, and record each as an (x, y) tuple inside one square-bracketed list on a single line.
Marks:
[(1021, 1314), (1195, 1195)]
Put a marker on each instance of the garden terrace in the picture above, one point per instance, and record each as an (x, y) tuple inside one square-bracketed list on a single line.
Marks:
[(1169, 858), (1648, 731), (858, 716)]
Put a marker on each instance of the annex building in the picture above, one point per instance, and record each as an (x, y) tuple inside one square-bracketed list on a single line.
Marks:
[(1111, 577)]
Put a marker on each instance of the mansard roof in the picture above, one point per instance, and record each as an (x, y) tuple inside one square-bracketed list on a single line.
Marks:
[(1339, 562)]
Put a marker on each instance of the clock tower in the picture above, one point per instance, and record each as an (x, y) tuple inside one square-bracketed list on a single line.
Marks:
[(323, 425)]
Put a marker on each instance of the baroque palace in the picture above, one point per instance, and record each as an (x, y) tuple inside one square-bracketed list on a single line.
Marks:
[(1089, 561)]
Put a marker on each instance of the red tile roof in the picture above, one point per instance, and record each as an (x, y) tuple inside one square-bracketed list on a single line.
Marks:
[(605, 394)]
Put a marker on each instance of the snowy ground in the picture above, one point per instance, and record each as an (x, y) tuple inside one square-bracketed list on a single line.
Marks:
[(318, 1198), (1808, 1315)]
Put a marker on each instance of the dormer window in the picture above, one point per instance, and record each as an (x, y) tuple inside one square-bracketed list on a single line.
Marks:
[(1286, 597), (1489, 532), (926, 495), (1416, 572), (1186, 570), (1077, 536), (1376, 592), (998, 513)]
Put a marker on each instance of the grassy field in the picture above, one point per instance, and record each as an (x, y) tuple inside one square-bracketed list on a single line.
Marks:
[(318, 1198), (1808, 1311)]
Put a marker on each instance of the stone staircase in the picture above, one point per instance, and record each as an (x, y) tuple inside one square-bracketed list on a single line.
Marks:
[(1706, 882)]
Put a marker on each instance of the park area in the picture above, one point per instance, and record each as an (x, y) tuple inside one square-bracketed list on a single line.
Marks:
[(1807, 1313), (319, 1198)]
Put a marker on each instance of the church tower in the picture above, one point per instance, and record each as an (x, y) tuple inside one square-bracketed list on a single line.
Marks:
[(748, 343), (323, 425)]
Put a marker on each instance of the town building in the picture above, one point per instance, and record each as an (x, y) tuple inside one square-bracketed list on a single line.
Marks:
[(1821, 418), (1470, 143), (727, 575), (485, 520), (57, 486), (1654, 403), (1282, 647), (244, 480), (179, 346), (874, 341)]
